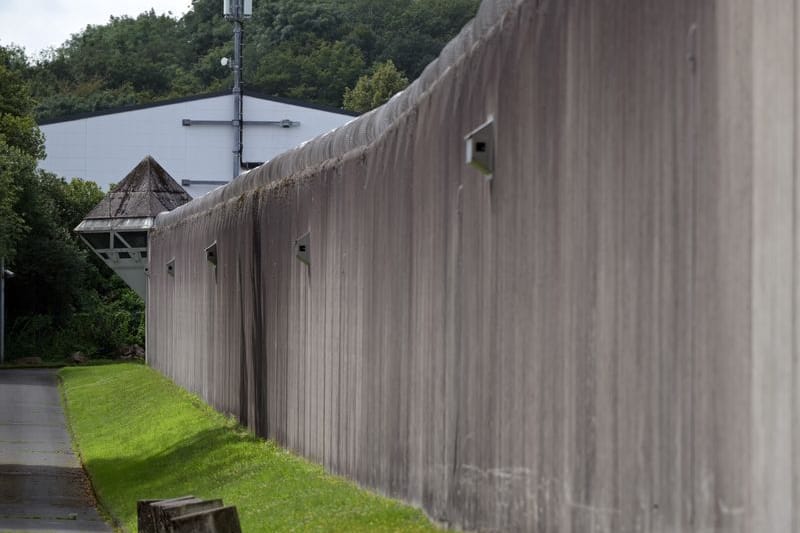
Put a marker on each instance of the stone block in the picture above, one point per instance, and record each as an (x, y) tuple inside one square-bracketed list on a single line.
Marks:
[(146, 513), (164, 515), (222, 520), (186, 514)]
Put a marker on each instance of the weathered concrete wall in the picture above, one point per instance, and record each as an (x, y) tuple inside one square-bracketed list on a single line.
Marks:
[(602, 338)]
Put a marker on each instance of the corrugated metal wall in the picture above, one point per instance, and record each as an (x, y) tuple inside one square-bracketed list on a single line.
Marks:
[(602, 338)]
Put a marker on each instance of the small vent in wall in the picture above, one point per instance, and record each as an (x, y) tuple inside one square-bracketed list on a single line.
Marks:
[(211, 254), (480, 148), (302, 248), (171, 267)]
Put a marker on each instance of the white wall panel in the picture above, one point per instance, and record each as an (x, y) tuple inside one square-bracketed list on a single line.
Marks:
[(104, 148)]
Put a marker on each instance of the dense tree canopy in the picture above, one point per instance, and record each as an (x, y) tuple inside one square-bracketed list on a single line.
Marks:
[(20, 147), (62, 298), (306, 49), (375, 89)]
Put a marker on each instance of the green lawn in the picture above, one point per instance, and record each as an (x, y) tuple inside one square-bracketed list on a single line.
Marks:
[(140, 436)]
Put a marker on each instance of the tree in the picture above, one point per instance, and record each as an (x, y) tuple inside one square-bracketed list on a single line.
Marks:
[(61, 299), (416, 37), (128, 60), (77, 198), (319, 74), (306, 49), (21, 145), (375, 89), (12, 226)]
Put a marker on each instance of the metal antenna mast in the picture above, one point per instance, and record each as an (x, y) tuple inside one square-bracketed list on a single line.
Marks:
[(237, 11)]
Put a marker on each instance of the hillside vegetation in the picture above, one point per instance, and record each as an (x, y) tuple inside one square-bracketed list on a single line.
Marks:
[(312, 50)]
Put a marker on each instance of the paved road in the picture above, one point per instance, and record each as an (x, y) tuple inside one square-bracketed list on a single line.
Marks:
[(42, 485)]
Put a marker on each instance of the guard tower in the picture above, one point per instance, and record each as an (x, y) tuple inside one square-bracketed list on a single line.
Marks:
[(117, 228)]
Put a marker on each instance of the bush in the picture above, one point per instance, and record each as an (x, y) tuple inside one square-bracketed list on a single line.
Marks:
[(99, 329), (30, 336)]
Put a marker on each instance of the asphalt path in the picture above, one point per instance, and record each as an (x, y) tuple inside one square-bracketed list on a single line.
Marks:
[(42, 485)]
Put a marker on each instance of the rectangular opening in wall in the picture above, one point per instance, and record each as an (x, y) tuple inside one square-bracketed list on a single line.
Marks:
[(480, 148), (211, 254), (302, 248)]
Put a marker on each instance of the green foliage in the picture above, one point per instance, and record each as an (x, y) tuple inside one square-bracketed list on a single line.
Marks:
[(419, 33), (20, 146), (307, 49), (375, 89), (17, 125), (63, 299), (81, 101), (78, 198), (51, 268), (101, 326), (321, 74), (14, 164), (140, 436)]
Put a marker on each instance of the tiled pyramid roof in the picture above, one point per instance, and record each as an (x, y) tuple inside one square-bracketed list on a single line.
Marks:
[(146, 191)]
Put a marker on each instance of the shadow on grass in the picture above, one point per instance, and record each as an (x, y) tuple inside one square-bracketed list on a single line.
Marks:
[(272, 489), (164, 450), (202, 465)]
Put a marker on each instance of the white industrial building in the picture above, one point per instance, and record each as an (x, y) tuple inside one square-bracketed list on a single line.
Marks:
[(193, 138)]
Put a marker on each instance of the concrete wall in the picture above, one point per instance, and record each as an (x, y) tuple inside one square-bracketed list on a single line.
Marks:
[(602, 338), (105, 147)]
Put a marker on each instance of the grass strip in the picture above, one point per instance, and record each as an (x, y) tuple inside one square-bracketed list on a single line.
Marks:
[(140, 436)]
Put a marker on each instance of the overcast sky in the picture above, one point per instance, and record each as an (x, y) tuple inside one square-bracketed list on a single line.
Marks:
[(38, 24)]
